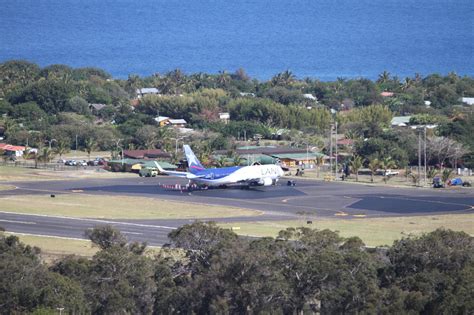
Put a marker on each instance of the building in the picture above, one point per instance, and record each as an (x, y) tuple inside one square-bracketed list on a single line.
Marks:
[(387, 94), (468, 100), (146, 154), (96, 107), (147, 91), (400, 121), (307, 159), (225, 117), (12, 150), (167, 121), (135, 165)]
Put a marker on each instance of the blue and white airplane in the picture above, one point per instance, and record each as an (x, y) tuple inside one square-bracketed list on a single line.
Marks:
[(253, 175)]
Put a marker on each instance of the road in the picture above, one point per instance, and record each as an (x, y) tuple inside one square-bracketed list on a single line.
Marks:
[(309, 197)]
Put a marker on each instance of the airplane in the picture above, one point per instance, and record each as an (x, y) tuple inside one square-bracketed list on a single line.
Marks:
[(252, 175)]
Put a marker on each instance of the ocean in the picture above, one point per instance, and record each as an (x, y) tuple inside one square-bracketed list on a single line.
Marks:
[(323, 39)]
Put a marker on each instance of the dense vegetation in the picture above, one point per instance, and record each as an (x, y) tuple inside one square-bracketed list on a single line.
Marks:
[(38, 104), (215, 272)]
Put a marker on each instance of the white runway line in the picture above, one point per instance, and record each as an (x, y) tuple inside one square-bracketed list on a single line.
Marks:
[(15, 221)]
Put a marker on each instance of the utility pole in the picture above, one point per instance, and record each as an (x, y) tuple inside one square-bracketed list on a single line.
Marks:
[(419, 156), (335, 140), (424, 154), (330, 150)]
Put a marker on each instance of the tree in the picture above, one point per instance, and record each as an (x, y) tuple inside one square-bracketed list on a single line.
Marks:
[(63, 147), (446, 174), (90, 144), (356, 164), (373, 166), (106, 237), (386, 164)]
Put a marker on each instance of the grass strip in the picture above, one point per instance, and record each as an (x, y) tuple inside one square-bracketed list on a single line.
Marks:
[(373, 231), (80, 205)]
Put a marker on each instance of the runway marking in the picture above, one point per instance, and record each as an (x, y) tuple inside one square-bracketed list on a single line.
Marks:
[(359, 215), (15, 221), (133, 233), (93, 220), (51, 236), (341, 214), (77, 190)]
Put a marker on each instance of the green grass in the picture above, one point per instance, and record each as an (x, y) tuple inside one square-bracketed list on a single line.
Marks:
[(6, 187), (53, 247), (116, 207), (373, 231)]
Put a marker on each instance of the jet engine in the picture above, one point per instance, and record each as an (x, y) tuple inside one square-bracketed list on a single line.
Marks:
[(265, 182)]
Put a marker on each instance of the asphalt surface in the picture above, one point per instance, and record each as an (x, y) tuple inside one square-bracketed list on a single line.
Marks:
[(281, 202)]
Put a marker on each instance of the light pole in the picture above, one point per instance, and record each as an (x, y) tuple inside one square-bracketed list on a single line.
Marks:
[(51, 141), (117, 142), (335, 140), (176, 143), (424, 154), (419, 156), (75, 151), (330, 150)]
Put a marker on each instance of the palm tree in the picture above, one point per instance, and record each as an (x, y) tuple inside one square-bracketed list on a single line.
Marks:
[(373, 167), (431, 173), (446, 175), (46, 155), (90, 145), (221, 161), (319, 162), (63, 147), (386, 164), (356, 164)]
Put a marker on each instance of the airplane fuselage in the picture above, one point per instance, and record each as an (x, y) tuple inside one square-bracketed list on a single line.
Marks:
[(261, 175)]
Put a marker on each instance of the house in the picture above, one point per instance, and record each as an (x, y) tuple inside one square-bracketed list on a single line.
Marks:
[(245, 94), (165, 121), (147, 91), (225, 117), (295, 159), (400, 121), (345, 142), (468, 100), (146, 154), (387, 94), (310, 97), (180, 123), (12, 150), (96, 107)]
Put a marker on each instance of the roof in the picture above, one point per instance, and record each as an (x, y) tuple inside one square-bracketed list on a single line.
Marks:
[(140, 154), (264, 150), (224, 115), (468, 100), (387, 94), (148, 91), (345, 142), (177, 121), (400, 120), (299, 156), (310, 96), (97, 106), (9, 147), (161, 118), (145, 163)]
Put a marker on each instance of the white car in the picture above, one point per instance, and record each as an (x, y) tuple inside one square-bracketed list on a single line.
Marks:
[(82, 163), (390, 173)]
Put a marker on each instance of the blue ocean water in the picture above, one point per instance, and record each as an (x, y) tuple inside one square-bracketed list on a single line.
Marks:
[(322, 39)]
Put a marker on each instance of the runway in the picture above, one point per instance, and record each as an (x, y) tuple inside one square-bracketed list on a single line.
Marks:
[(281, 202)]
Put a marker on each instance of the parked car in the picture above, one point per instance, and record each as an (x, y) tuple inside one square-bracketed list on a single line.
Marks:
[(388, 172), (82, 163), (62, 161), (148, 172), (93, 163), (71, 163)]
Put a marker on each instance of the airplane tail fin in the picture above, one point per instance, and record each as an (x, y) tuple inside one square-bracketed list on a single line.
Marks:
[(194, 165)]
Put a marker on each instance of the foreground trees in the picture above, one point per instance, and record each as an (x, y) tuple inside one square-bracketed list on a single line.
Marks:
[(213, 271)]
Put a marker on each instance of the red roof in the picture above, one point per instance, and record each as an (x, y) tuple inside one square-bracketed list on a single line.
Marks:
[(387, 94), (345, 142), (9, 147)]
